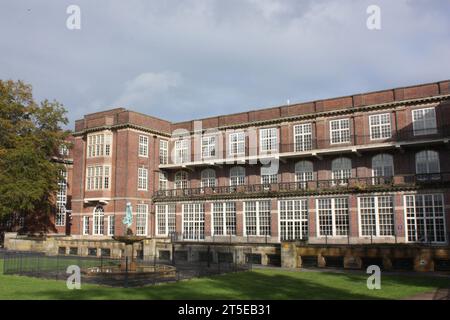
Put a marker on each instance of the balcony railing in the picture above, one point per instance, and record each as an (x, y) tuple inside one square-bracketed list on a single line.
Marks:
[(309, 144), (337, 185)]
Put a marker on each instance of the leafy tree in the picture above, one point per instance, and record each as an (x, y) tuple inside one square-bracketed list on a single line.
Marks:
[(30, 138)]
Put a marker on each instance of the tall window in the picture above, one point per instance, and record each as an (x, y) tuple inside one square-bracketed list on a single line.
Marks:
[(427, 163), (61, 200), (165, 219), (268, 139), (182, 151), (181, 180), (376, 216), (209, 147), (303, 173), (163, 152), (193, 221), (257, 218), (98, 177), (340, 131), (424, 121), (163, 181), (143, 146), (99, 145), (224, 218), (237, 176), (380, 126), (303, 137), (142, 179), (63, 150), (111, 225), (425, 218), (268, 176), (99, 220), (293, 219), (85, 225), (208, 178), (383, 165), (333, 217), (341, 170), (237, 143), (141, 219)]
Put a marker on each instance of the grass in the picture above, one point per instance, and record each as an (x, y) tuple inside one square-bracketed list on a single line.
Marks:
[(256, 284)]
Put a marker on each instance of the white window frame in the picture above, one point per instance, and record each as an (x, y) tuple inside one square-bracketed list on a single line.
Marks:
[(165, 218), (193, 221), (236, 143), (227, 222), (237, 176), (382, 161), (268, 139), (163, 151), (303, 137), (343, 134), (163, 181), (142, 179), (142, 219), (429, 125), (98, 177), (208, 178), (99, 145), (339, 173), (380, 126), (333, 218), (428, 161), (61, 200), (86, 226), (98, 222), (182, 151), (143, 146), (293, 214), (181, 183), (412, 218), (377, 216), (258, 218), (209, 149), (302, 176), (111, 225)]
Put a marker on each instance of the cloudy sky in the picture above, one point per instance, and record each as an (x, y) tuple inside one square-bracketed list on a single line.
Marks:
[(188, 59)]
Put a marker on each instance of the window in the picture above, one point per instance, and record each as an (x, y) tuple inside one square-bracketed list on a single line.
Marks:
[(99, 216), (333, 216), (268, 176), (427, 163), (209, 147), (424, 121), (142, 178), (303, 137), (382, 166), (99, 145), (141, 219), (237, 176), (268, 139), (425, 218), (303, 173), (341, 170), (181, 180), (340, 131), (237, 143), (163, 181), (257, 218), (61, 199), (376, 216), (208, 177), (224, 218), (111, 225), (380, 126), (85, 225), (98, 177), (193, 221), (63, 150), (143, 146), (182, 151), (163, 152), (293, 219), (165, 219)]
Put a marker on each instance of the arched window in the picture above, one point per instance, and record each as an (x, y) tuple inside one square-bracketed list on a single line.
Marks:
[(237, 176), (383, 165), (99, 215), (208, 177), (181, 180), (427, 162), (304, 172), (341, 170)]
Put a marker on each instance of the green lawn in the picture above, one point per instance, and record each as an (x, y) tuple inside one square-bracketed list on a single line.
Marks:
[(257, 284)]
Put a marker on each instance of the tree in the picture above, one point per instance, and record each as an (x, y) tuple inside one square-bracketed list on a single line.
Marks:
[(30, 138)]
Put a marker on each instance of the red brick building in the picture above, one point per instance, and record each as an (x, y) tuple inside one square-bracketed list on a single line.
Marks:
[(365, 168)]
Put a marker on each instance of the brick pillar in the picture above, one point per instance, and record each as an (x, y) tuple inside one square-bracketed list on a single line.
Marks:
[(399, 218), (178, 217), (208, 217), (239, 218), (312, 226), (353, 216), (274, 219)]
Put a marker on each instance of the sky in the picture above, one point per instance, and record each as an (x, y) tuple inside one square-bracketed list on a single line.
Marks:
[(189, 59)]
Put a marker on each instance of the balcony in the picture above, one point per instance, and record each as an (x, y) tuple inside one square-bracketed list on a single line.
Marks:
[(360, 184), (312, 146)]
